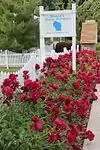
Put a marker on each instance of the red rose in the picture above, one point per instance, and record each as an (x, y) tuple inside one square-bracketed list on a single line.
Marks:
[(54, 136), (27, 82), (36, 124), (6, 82), (94, 96), (22, 97), (25, 72), (60, 124), (7, 91), (12, 76), (71, 138), (37, 66), (90, 135), (76, 84)]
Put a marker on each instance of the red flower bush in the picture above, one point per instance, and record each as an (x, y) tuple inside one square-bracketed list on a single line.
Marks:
[(66, 97)]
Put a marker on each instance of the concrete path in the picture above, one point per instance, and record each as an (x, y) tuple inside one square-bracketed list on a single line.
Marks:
[(94, 124)]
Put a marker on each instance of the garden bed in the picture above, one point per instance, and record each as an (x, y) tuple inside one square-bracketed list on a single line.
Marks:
[(52, 112)]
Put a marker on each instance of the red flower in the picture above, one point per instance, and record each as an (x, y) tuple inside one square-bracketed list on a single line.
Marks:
[(67, 99), (34, 96), (94, 96), (70, 137), (54, 86), (72, 134), (53, 137), (62, 77), (7, 91), (55, 110), (66, 109), (80, 127), (35, 85), (90, 135), (76, 84), (37, 66), (49, 104), (82, 108), (60, 124), (60, 98), (25, 72), (43, 93), (43, 70), (70, 69), (85, 95), (22, 97), (36, 124), (12, 76), (6, 82), (51, 89), (26, 76), (86, 87), (58, 76), (27, 82)]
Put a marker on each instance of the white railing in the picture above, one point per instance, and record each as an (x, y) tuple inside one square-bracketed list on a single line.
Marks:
[(8, 59), (11, 59), (27, 60)]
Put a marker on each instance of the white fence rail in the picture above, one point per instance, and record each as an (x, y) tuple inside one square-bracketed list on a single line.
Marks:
[(27, 60), (8, 59)]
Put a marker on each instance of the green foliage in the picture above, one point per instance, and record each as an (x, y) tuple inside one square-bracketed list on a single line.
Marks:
[(14, 128), (53, 4), (18, 29), (98, 46), (60, 82), (89, 10)]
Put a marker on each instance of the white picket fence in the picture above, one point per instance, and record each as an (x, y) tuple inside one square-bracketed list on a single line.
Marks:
[(11, 59), (8, 59), (27, 60)]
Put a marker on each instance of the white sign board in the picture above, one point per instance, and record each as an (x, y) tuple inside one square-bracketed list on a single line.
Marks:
[(58, 24)]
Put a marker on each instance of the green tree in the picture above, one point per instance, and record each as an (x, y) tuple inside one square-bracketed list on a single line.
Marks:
[(18, 28), (86, 10), (53, 4), (89, 10)]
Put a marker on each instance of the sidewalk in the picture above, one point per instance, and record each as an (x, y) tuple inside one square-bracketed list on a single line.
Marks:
[(94, 124)]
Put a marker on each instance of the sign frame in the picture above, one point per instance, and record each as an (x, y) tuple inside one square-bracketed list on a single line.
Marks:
[(43, 35)]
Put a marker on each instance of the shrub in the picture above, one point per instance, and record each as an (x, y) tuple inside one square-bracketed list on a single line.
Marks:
[(50, 112), (98, 46)]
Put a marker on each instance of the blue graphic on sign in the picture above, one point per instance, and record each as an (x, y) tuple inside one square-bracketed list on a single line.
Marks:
[(57, 25)]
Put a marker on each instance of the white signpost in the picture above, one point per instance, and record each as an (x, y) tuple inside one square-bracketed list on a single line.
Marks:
[(58, 24)]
